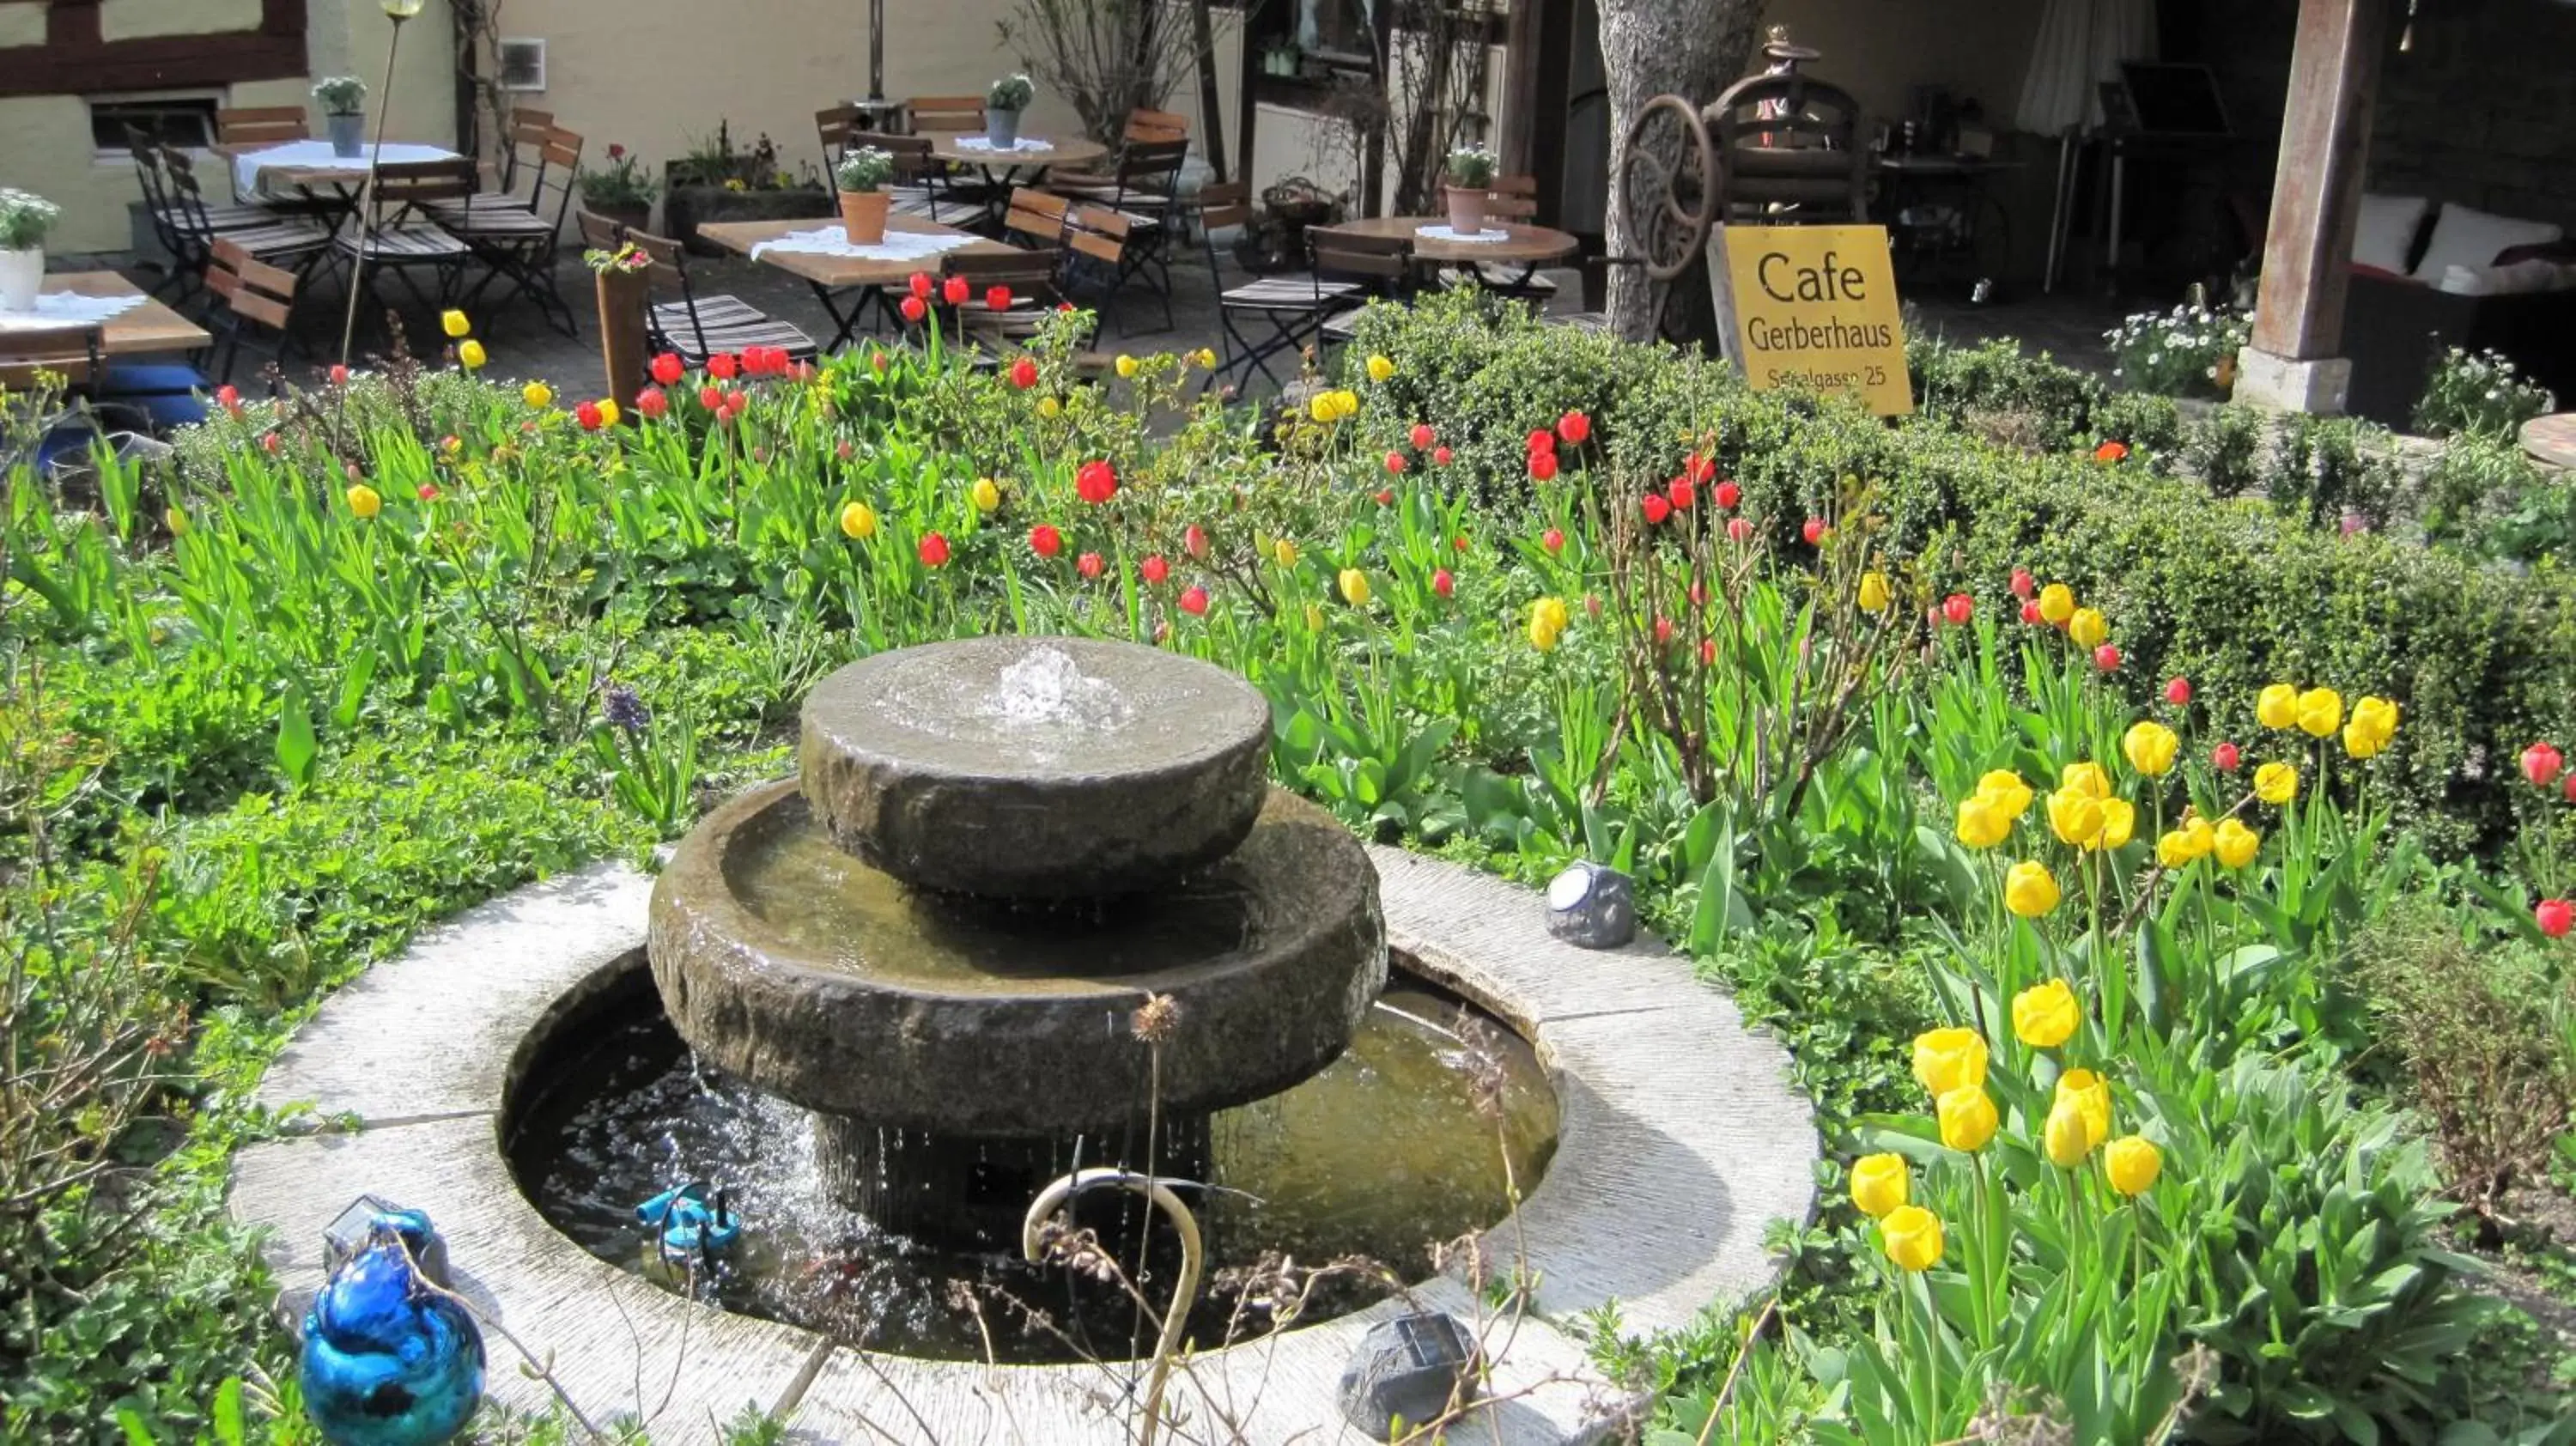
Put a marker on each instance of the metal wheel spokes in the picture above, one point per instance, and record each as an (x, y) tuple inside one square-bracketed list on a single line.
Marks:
[(1668, 185)]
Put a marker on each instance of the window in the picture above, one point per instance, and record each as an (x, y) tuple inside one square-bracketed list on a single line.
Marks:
[(185, 121), (523, 65)]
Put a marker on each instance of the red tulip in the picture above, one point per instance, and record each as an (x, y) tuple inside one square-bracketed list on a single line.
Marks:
[(1422, 436), (668, 370), (1592, 603), (1655, 508), (1542, 466), (1045, 541), (588, 415), (2226, 758), (1739, 529), (1815, 532), (1024, 373), (878, 363), (1542, 441), (1683, 493), (1728, 494), (1574, 427), (2023, 584), (1458, 543), (426, 492), (1698, 468), (1153, 569), (953, 291), (1095, 482), (914, 309), (2555, 917), (1395, 463), (1440, 456), (1194, 541), (2178, 692), (2571, 788), (2541, 763), (651, 402), (997, 298), (844, 450), (2107, 657), (2030, 614), (711, 398), (920, 284), (723, 366), (1957, 608), (339, 375), (1553, 539), (1663, 631), (933, 550), (1708, 652), (270, 442), (1194, 600), (228, 397), (1386, 497), (1089, 564), (1442, 583)]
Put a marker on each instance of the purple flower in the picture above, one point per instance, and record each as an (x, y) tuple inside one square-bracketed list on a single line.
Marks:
[(623, 709)]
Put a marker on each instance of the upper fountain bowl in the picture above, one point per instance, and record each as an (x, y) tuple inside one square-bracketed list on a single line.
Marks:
[(1040, 768)]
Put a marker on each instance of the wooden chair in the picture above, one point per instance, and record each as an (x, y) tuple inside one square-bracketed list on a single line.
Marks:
[(518, 244), (406, 237), (1292, 307), (1101, 247), (1145, 188), (919, 182), (250, 295), (522, 172), (1033, 277), (698, 327), (189, 225), (1372, 266), (261, 125), (1036, 219), (964, 113)]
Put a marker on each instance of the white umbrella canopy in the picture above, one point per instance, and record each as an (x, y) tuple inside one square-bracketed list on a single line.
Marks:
[(2081, 43)]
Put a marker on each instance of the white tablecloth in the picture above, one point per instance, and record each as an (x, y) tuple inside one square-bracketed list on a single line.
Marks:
[(1024, 146), (1485, 237), (60, 308), (247, 166), (835, 241)]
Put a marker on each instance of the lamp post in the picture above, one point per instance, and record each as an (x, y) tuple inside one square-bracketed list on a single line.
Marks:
[(396, 11)]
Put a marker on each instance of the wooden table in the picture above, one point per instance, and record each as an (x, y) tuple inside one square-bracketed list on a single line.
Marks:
[(145, 330), (2552, 439), (1003, 170), (335, 174), (832, 275), (1531, 246)]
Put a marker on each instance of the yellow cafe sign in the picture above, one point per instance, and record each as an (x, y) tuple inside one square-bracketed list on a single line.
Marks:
[(1813, 306)]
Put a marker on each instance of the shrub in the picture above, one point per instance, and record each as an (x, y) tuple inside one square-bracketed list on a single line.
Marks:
[(2478, 394)]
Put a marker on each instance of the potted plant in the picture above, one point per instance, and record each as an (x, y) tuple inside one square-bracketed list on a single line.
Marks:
[(619, 191), (1003, 102), (341, 97), (24, 220), (1471, 179), (863, 175), (716, 181)]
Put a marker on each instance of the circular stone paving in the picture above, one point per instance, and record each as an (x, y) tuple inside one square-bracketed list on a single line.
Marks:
[(1680, 1139)]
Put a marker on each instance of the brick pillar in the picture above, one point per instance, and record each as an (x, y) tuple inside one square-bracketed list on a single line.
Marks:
[(2316, 194)]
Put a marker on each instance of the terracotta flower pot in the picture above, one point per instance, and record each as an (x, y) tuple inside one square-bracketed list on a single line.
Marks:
[(1466, 209), (863, 216)]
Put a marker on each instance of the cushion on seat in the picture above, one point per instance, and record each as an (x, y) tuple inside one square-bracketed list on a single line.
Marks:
[(2384, 236), (2466, 236), (134, 379), (728, 325)]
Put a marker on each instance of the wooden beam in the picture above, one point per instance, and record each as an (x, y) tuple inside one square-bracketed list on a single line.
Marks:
[(77, 59), (1522, 63), (2316, 188), (1211, 111)]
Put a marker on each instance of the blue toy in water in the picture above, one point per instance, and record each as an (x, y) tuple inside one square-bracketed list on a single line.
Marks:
[(689, 1225), (387, 1360)]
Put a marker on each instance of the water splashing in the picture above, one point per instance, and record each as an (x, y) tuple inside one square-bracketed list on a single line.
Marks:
[(1045, 688)]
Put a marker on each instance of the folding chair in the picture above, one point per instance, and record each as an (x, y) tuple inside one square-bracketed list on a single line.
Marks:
[(520, 244), (1373, 266), (1294, 307), (944, 113), (1145, 189), (920, 183), (249, 295), (1099, 242), (1032, 276), (406, 238), (192, 225), (698, 327), (264, 125), (522, 172)]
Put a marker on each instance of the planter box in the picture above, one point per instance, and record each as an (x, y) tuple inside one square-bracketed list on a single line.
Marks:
[(687, 207)]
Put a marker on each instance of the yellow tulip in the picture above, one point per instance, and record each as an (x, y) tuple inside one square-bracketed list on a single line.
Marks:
[(2276, 782), (364, 501), (2320, 712), (1967, 1118), (2119, 823), (2090, 1094), (1949, 1059), (858, 521), (608, 411), (1322, 408), (1314, 618), (2030, 890), (537, 394), (1552, 611), (2045, 1015), (2087, 778), (1050, 408), (2174, 849), (1379, 369), (2057, 602), (2150, 747), (1355, 587), (1983, 823), (176, 521), (2006, 790), (2064, 1135), (1879, 1184), (2203, 837), (2235, 844), (455, 324), (1873, 592), (2075, 816), (1911, 1236), (1126, 365), (1205, 357), (1542, 637), (985, 496), (2087, 628), (2374, 723), (2278, 706), (1284, 553), (469, 354), (2132, 1163)]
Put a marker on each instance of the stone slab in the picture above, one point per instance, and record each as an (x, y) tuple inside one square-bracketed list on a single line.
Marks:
[(2286, 384)]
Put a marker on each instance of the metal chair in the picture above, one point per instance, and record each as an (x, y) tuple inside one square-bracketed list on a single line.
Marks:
[(1144, 188), (519, 244), (697, 327), (250, 295), (406, 238), (189, 226), (1293, 307), (1372, 266), (522, 173)]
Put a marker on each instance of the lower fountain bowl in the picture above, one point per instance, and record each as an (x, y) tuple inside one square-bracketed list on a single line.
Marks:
[(792, 965)]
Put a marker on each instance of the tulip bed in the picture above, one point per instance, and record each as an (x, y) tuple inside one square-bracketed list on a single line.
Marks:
[(2058, 817)]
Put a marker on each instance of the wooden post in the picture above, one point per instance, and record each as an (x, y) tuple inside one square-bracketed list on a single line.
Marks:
[(1211, 114), (2316, 197), (622, 299)]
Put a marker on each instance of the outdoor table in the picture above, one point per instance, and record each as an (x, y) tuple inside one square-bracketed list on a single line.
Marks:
[(1004, 169), (2551, 439), (312, 167), (144, 329), (1521, 244), (831, 275)]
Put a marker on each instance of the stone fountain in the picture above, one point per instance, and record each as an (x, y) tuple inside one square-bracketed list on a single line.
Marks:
[(997, 850)]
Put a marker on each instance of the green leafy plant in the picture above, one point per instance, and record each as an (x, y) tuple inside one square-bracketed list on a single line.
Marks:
[(1471, 167), (25, 218), (621, 185), (2479, 394), (1011, 93), (340, 94), (867, 168)]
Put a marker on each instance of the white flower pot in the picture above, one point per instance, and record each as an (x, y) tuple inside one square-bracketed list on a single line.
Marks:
[(22, 275)]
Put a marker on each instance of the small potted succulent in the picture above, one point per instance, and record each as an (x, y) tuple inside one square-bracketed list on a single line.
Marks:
[(1003, 102), (1471, 178), (620, 190), (24, 220), (343, 98), (863, 175)]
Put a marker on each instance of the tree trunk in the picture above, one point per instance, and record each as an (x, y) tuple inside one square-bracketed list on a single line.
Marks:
[(1690, 48)]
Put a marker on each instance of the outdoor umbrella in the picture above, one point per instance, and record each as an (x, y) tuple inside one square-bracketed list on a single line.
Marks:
[(2081, 43)]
